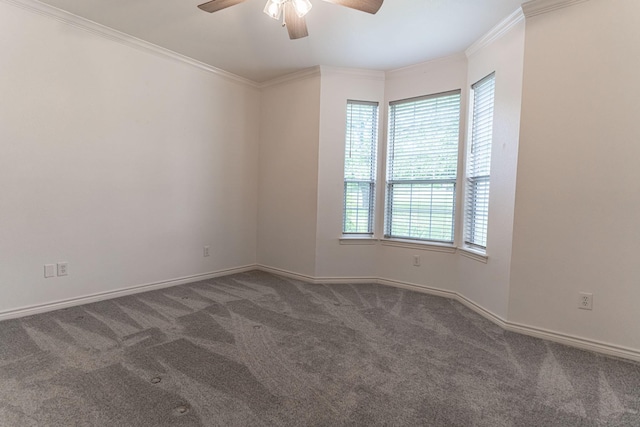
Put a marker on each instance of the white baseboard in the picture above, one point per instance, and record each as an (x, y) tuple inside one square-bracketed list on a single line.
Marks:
[(575, 341), (285, 273), (315, 280), (561, 338), (487, 314), (101, 296), (566, 339), (569, 340), (415, 287)]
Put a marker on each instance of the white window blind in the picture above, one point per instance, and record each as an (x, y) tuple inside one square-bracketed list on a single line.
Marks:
[(422, 164), (479, 164), (360, 167)]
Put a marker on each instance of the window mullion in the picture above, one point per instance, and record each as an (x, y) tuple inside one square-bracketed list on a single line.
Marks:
[(479, 164), (360, 167), (422, 167)]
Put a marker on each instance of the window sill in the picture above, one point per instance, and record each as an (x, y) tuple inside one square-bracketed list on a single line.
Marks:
[(410, 244), (474, 254), (425, 246), (358, 240)]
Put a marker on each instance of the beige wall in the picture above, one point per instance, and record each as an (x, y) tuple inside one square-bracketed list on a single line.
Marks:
[(437, 269), (578, 189), (288, 175), (488, 284), (123, 164), (338, 86)]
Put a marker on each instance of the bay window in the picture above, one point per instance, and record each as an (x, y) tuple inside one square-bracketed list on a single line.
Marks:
[(422, 164), (361, 144), (478, 170)]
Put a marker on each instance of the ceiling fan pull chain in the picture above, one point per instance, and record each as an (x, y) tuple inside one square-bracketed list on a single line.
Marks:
[(284, 17)]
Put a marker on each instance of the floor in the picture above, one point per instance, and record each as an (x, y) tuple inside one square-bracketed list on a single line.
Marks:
[(262, 350)]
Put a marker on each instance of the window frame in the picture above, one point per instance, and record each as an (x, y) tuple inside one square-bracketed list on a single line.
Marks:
[(473, 196), (372, 181), (452, 180)]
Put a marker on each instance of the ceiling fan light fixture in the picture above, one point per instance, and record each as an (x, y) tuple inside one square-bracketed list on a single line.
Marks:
[(273, 8), (302, 7), (293, 12)]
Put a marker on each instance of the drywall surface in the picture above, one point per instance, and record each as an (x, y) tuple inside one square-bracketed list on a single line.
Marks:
[(437, 269), (332, 258), (288, 176), (488, 284), (578, 191), (122, 163)]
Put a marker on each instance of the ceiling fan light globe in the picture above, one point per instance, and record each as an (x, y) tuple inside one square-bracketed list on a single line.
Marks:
[(302, 7), (273, 8)]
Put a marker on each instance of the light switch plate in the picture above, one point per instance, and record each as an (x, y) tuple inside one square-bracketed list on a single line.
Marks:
[(49, 270)]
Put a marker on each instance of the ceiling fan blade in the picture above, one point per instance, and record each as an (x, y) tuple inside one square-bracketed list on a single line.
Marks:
[(369, 6), (296, 25), (216, 5)]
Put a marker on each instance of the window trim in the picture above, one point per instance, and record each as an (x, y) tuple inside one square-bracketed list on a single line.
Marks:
[(474, 254), (372, 182), (404, 241), (357, 239), (424, 245), (469, 248)]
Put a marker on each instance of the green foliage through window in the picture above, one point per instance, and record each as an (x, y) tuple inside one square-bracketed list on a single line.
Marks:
[(422, 166), (360, 167), (479, 164)]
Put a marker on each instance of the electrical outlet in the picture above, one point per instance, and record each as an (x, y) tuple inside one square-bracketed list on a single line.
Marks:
[(205, 251), (416, 260), (49, 270), (586, 301), (63, 268)]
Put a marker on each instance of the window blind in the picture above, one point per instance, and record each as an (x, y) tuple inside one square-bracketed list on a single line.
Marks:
[(479, 164), (360, 167), (422, 166)]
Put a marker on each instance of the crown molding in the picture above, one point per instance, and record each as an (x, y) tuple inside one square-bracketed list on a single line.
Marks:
[(353, 72), (538, 7), (399, 72), (496, 32), (122, 38), (292, 77)]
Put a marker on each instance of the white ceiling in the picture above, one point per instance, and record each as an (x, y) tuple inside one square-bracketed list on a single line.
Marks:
[(246, 42)]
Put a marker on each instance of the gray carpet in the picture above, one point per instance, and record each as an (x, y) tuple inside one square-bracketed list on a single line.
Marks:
[(257, 349)]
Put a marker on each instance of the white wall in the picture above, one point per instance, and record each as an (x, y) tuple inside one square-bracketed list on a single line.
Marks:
[(122, 163), (328, 258), (288, 177), (125, 164), (298, 140), (338, 86), (437, 269), (578, 191), (488, 284)]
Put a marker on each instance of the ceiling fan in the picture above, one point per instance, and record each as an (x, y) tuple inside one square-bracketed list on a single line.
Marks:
[(294, 11)]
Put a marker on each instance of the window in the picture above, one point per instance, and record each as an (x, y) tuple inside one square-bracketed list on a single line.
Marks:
[(479, 164), (360, 167), (422, 165)]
